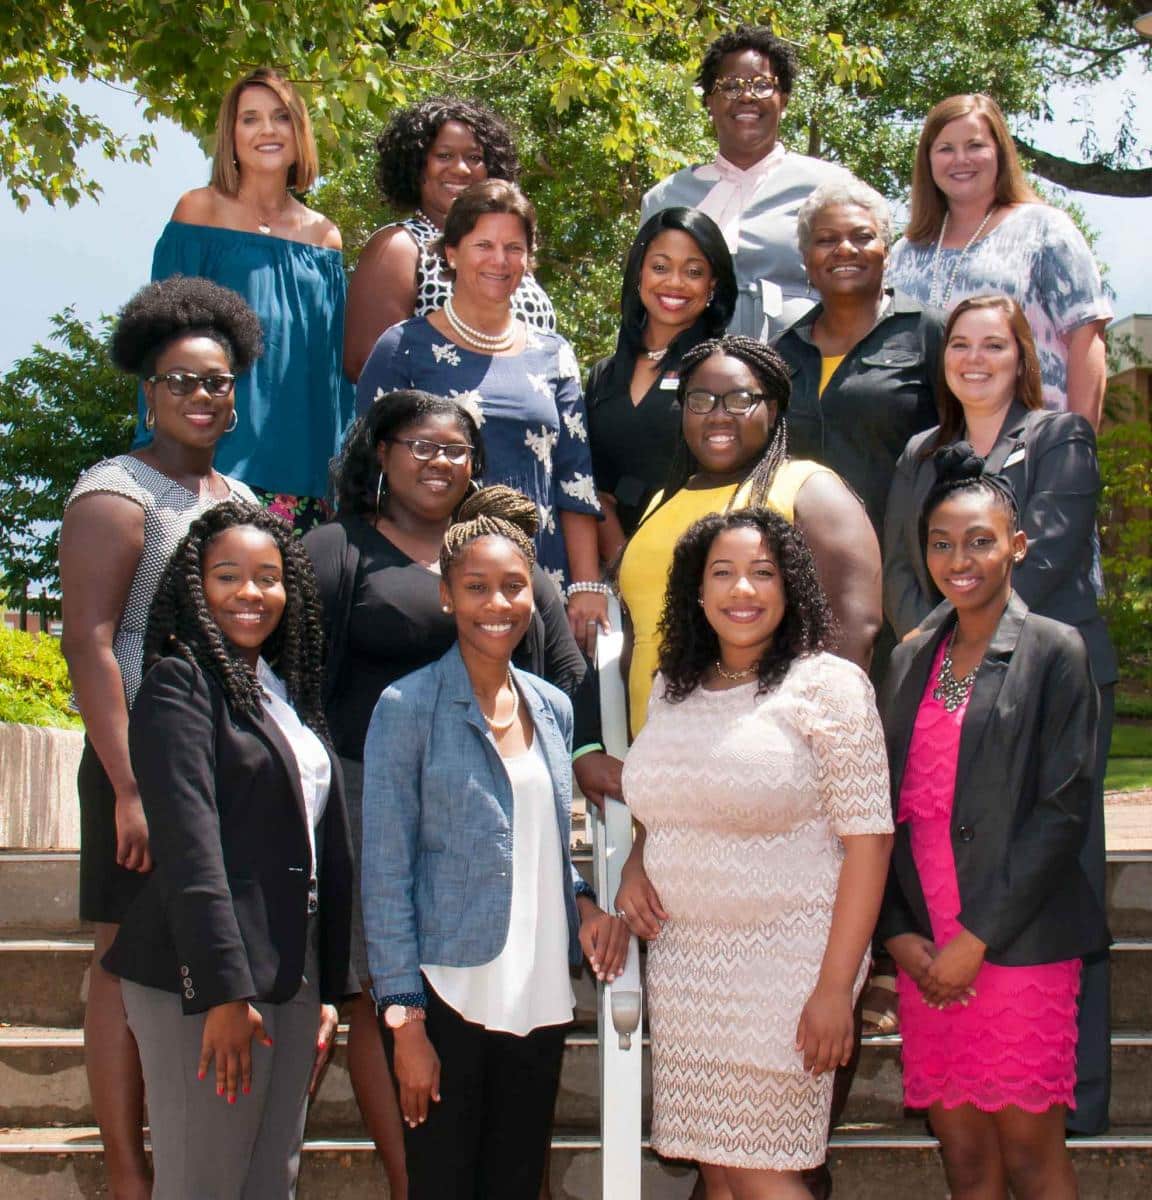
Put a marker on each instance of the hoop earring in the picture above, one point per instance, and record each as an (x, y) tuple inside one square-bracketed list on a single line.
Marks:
[(381, 492), (149, 418), (233, 421)]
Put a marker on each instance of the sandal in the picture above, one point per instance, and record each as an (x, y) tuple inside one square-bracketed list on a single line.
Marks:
[(879, 1006)]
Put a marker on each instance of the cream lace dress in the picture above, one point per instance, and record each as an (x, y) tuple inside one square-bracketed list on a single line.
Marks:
[(745, 799)]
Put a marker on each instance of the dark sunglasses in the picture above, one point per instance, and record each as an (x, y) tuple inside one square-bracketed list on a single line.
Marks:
[(736, 404), (184, 383), (423, 450)]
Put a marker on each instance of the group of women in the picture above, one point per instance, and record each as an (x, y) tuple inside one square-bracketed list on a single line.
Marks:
[(338, 769)]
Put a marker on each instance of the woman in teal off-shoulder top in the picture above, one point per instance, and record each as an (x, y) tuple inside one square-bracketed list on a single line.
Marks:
[(247, 231)]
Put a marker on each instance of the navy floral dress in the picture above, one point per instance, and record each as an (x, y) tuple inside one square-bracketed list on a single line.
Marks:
[(529, 406)]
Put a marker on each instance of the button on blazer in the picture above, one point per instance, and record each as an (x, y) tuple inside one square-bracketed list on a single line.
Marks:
[(224, 915)]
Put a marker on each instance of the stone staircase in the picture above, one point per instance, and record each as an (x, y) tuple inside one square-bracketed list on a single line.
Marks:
[(49, 1149)]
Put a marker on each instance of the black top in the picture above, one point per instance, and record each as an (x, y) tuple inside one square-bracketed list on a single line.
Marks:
[(632, 444), (882, 394), (383, 618)]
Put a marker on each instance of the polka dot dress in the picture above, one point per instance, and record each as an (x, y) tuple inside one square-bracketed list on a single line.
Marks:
[(433, 286)]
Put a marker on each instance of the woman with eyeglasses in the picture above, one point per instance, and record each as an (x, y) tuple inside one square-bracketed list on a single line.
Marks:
[(754, 187), (733, 453), (406, 467), (187, 340), (248, 230)]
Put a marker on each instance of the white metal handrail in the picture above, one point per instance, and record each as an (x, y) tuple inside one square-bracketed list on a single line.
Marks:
[(620, 1007)]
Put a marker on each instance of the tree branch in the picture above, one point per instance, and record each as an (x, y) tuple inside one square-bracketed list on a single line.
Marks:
[(1095, 177)]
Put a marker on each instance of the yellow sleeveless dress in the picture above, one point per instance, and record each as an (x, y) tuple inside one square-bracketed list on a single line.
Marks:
[(648, 558)]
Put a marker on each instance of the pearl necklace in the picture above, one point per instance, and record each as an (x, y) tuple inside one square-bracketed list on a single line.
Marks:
[(734, 676), (421, 215), (487, 342), (949, 690), (504, 726), (934, 297)]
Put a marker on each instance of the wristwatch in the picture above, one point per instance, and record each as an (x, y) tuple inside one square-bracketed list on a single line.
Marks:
[(396, 1016)]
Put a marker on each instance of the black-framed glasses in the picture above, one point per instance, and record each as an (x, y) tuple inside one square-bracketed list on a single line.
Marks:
[(184, 383), (732, 87), (422, 450), (735, 404)]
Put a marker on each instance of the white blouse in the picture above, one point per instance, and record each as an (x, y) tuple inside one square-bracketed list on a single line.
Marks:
[(312, 761), (527, 985)]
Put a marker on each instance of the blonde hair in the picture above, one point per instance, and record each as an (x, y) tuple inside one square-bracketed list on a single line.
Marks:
[(225, 169), (929, 204)]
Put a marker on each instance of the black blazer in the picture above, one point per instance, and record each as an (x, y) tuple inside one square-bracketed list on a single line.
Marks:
[(1023, 792), (1049, 459), (224, 914)]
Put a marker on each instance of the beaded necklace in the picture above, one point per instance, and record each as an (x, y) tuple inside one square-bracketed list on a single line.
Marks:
[(949, 690), (935, 299)]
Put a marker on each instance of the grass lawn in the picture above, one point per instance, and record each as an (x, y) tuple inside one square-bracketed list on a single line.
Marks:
[(1130, 762)]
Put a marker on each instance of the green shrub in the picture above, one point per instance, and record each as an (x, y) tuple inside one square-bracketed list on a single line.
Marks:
[(34, 687)]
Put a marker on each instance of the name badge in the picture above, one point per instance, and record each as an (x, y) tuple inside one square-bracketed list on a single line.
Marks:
[(1016, 456), (670, 382)]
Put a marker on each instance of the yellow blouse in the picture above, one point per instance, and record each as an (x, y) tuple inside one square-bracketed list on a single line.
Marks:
[(828, 365), (648, 558)]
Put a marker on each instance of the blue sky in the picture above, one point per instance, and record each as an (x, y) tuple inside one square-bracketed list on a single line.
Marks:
[(96, 254)]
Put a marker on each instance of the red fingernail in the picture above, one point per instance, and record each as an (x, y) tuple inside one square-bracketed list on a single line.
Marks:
[(321, 1045), (231, 1099), (219, 1091), (247, 1088), (199, 1074)]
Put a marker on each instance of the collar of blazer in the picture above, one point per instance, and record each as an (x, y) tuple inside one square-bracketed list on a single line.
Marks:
[(458, 686), (910, 682)]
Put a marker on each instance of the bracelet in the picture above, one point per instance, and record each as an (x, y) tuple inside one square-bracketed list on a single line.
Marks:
[(588, 585)]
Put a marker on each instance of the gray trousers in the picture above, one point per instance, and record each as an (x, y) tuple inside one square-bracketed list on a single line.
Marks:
[(204, 1148)]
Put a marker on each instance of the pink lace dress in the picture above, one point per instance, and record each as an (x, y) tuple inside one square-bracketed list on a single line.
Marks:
[(1015, 1042)]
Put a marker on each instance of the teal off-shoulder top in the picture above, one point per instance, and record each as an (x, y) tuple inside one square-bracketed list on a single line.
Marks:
[(294, 404)]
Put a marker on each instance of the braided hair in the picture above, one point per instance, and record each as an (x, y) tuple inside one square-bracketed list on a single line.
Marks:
[(688, 643), (180, 622), (960, 469), (496, 511), (775, 381)]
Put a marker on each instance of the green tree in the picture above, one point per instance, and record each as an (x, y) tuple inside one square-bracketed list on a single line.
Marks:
[(62, 408)]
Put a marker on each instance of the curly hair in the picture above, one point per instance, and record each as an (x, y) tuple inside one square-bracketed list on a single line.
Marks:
[(355, 472), (180, 622), (184, 306), (775, 381), (402, 148), (688, 644), (748, 37), (496, 511), (960, 469)]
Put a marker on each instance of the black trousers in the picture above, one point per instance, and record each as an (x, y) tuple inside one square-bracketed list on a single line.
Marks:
[(487, 1138)]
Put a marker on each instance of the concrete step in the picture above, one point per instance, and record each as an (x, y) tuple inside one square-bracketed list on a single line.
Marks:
[(869, 1162), (42, 1083)]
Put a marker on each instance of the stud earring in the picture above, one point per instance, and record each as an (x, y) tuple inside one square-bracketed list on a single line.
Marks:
[(446, 608)]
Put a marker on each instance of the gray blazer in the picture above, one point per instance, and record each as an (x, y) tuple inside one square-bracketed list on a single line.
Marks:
[(1050, 460), (436, 874), (1022, 796)]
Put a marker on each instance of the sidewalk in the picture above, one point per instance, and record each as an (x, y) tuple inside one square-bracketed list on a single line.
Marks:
[(1128, 820)]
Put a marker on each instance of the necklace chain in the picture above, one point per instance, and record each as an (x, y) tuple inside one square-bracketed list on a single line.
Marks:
[(949, 690), (733, 676), (492, 343), (504, 726), (934, 297)]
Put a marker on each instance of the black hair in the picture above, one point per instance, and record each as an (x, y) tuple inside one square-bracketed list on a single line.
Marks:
[(960, 469), (356, 470), (402, 148), (689, 645), (179, 622), (775, 381), (748, 37), (184, 306), (706, 234), (496, 511)]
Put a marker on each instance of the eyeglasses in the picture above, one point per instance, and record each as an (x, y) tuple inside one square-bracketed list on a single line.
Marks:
[(736, 404), (423, 450), (184, 383), (732, 87)]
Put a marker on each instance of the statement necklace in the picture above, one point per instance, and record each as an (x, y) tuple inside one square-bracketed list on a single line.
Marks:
[(487, 342), (734, 676), (934, 297), (655, 356), (949, 690), (504, 726), (421, 215)]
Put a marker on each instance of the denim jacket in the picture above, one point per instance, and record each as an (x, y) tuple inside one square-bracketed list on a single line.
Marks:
[(436, 876)]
